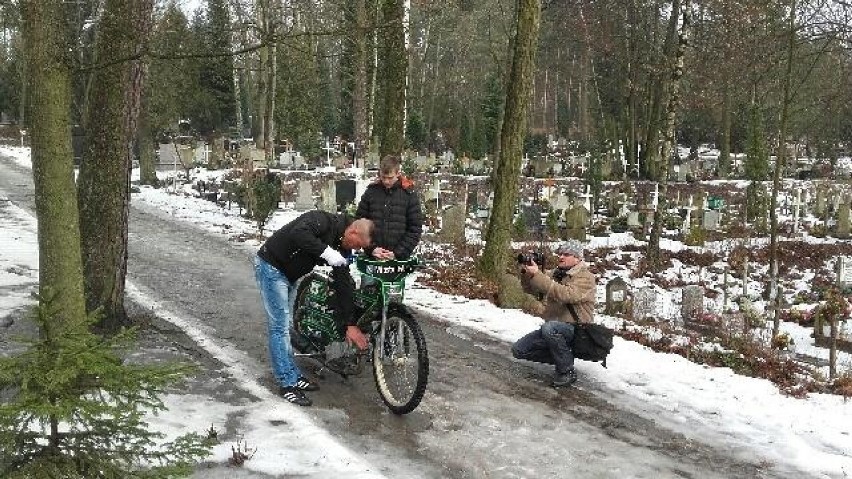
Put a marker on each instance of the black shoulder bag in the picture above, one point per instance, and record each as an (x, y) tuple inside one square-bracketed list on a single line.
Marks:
[(592, 342)]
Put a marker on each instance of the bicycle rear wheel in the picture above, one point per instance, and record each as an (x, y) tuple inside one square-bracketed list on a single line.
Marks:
[(401, 363)]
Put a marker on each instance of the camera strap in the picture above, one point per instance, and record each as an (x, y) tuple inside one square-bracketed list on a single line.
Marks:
[(573, 312)]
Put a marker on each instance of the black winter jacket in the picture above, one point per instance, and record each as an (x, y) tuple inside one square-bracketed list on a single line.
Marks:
[(295, 250), (397, 215)]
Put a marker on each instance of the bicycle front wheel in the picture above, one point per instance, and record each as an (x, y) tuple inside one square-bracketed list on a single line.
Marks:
[(401, 362)]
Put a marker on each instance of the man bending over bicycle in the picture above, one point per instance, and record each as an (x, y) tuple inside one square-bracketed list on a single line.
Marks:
[(290, 253)]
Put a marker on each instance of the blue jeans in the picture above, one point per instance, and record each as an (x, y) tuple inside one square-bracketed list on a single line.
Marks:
[(550, 344), (278, 297)]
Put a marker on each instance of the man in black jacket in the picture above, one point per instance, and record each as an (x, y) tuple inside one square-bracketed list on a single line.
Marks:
[(394, 207), (290, 253)]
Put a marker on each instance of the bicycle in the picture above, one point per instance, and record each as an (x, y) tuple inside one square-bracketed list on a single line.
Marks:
[(397, 347)]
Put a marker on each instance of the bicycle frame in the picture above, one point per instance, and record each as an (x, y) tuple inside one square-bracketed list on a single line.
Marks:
[(390, 278)]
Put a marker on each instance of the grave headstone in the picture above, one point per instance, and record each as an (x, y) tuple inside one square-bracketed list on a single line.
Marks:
[(711, 220), (682, 172), (452, 224), (617, 294), (633, 219), (340, 162), (344, 193), (531, 215), (576, 220), (482, 213), (843, 220), (644, 304), (692, 306), (305, 198), (168, 154), (819, 208), (328, 197), (844, 271), (560, 201)]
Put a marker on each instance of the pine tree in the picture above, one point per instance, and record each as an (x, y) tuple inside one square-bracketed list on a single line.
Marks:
[(416, 130), (77, 408)]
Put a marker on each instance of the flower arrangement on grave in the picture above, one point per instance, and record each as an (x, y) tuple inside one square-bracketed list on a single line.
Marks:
[(782, 341), (834, 307)]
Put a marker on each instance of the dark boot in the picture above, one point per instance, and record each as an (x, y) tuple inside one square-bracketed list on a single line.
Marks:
[(564, 379)]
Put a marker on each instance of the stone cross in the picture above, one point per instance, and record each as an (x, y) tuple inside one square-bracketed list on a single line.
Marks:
[(328, 149)]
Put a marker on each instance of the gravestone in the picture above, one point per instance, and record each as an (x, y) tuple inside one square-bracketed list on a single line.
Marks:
[(560, 201), (340, 162), (617, 294), (328, 197), (692, 306), (304, 198), (371, 162), (682, 172), (298, 160), (576, 220), (633, 219), (482, 213), (531, 215), (452, 224), (819, 208), (344, 193), (843, 220), (168, 154), (844, 272), (644, 304), (712, 219)]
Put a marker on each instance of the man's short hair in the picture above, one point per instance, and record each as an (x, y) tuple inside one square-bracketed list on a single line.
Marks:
[(389, 164), (364, 227)]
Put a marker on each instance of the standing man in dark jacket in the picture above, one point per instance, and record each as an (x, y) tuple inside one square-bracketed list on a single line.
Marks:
[(394, 207), (290, 253)]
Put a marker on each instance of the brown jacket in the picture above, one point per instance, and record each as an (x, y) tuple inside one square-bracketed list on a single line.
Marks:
[(577, 288)]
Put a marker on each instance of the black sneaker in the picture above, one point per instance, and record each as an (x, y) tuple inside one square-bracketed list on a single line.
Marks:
[(295, 396), (304, 384), (565, 379)]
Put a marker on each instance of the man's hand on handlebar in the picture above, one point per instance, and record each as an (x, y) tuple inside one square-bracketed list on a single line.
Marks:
[(383, 254), (356, 337)]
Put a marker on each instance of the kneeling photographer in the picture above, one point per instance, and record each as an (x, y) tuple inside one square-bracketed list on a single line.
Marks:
[(567, 297)]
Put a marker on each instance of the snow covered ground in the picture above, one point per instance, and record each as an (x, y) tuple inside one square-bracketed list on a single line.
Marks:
[(712, 405)]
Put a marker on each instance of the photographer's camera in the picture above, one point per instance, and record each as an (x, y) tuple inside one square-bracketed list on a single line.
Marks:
[(531, 257)]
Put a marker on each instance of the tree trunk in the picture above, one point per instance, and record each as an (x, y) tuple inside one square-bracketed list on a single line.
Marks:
[(779, 168), (359, 95), (393, 74), (259, 118), (147, 155), (725, 146), (659, 97), (496, 255), (47, 112), (269, 110), (673, 87), (111, 116), (238, 103)]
